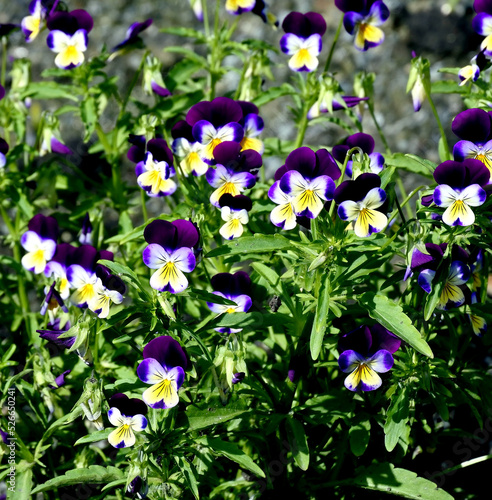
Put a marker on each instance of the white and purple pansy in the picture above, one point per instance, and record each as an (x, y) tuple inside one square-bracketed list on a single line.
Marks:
[(191, 158), (31, 25), (362, 201), (253, 126), (366, 143), (108, 289), (52, 301), (236, 7), (197, 7), (453, 292), (364, 23), (302, 40), (460, 187), (57, 267), (365, 352), (235, 287), (474, 128), (209, 136), (163, 367), (482, 24), (170, 252), (283, 215), (234, 171), (234, 212), (128, 416), (39, 242), (154, 177)]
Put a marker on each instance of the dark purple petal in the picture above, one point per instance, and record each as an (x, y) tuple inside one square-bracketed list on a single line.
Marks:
[(60, 380), (232, 285), (110, 281), (64, 254), (159, 90), (2, 95), (482, 6), (238, 377), (248, 107), (350, 5), (427, 200), (472, 125), (361, 140), (70, 22), (326, 165), (357, 189), (60, 148), (167, 351), (52, 336), (136, 28), (303, 160), (238, 202), (459, 175), (351, 20), (229, 155), (46, 227), (136, 153), (188, 234), (53, 300), (183, 129), (317, 23), (85, 256), (359, 340), (304, 25), (161, 232), (128, 407), (383, 339), (220, 111), (160, 151)]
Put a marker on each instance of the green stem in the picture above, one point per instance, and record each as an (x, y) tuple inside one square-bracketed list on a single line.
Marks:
[(441, 129), (134, 81), (4, 61), (314, 229), (143, 198), (403, 192), (332, 48), (206, 22)]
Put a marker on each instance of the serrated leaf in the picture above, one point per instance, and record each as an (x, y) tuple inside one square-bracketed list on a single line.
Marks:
[(320, 317), (400, 482), (234, 453), (392, 317), (298, 442), (251, 244), (94, 474), (95, 436)]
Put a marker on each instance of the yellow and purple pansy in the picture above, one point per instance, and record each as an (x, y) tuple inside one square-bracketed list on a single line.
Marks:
[(474, 128), (253, 125), (128, 416), (235, 287), (362, 18), (170, 252), (302, 40), (471, 72), (31, 25), (366, 143), (236, 7), (234, 212), (108, 289), (482, 24), (453, 291), (163, 366), (57, 267), (68, 36), (190, 154), (39, 242), (460, 187), (365, 352), (362, 202), (303, 184), (479, 325), (52, 301), (234, 172)]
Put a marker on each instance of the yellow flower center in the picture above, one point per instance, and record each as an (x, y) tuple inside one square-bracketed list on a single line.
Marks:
[(231, 310), (485, 160), (71, 52)]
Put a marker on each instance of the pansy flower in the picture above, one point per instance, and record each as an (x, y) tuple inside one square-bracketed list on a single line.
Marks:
[(366, 143), (190, 152), (302, 40), (4, 149), (31, 25), (68, 36), (362, 202), (261, 9), (460, 187), (307, 180), (212, 122), (365, 352), (474, 128), (53, 332), (59, 380), (362, 19), (164, 367), (54, 146), (132, 38), (234, 212), (479, 325), (253, 125), (85, 237), (283, 215), (197, 7), (57, 267), (40, 243), (235, 287), (108, 289), (482, 24), (128, 416), (170, 253), (471, 72), (234, 172), (453, 292), (81, 274), (152, 77), (52, 301), (236, 7)]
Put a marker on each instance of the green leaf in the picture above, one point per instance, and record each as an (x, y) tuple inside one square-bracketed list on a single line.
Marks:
[(50, 90), (88, 114), (251, 244), (447, 87), (95, 436), (200, 417), (122, 271), (234, 453), (412, 163), (396, 419), (189, 473), (359, 434), (268, 273), (298, 442), (95, 474), (392, 317), (400, 482), (433, 298), (209, 297), (319, 324), (23, 481), (187, 32)]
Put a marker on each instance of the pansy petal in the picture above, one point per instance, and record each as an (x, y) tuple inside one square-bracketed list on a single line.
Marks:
[(374, 198), (459, 273), (349, 360), (458, 214), (150, 371), (138, 422), (290, 43), (155, 256), (348, 210), (451, 296), (369, 379), (473, 195), (464, 149), (369, 222), (122, 437), (379, 13), (162, 395), (184, 259), (381, 362), (276, 194), (445, 195), (115, 417), (284, 216), (425, 280), (169, 279)]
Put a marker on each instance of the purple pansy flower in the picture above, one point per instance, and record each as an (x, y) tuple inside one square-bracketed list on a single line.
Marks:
[(235, 287), (362, 18), (234, 212), (31, 25), (235, 170), (128, 416), (302, 40), (302, 185), (365, 352), (132, 33), (52, 300), (471, 72), (261, 9), (40, 243), (170, 253), (482, 24), (474, 128), (366, 143), (253, 125), (53, 332), (164, 367), (362, 201), (85, 237), (460, 187), (108, 289)]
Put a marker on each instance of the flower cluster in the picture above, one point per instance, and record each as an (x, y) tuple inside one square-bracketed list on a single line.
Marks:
[(365, 352)]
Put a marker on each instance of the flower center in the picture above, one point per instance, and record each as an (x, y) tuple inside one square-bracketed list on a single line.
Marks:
[(71, 52), (485, 160), (231, 310)]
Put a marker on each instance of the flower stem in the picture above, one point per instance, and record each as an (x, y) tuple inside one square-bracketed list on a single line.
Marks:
[(403, 192), (206, 22), (143, 198), (441, 129), (4, 61), (332, 48)]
